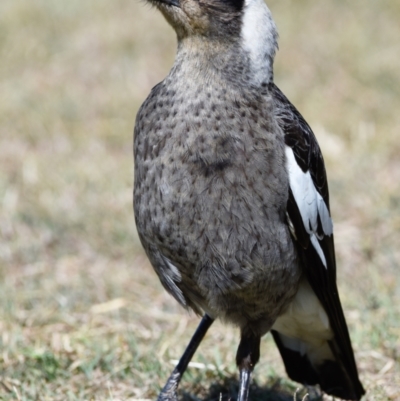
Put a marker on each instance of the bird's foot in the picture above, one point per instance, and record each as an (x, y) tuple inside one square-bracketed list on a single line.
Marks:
[(169, 392)]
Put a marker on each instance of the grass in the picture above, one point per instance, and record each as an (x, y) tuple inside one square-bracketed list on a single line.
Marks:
[(82, 315)]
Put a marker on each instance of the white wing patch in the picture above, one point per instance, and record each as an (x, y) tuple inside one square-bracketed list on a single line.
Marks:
[(309, 201)]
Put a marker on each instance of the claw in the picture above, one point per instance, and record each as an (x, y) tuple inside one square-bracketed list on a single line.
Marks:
[(169, 392)]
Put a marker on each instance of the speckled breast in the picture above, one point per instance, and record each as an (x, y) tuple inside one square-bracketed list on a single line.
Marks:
[(210, 196)]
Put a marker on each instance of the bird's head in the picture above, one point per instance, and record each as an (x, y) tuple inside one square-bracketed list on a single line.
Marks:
[(207, 18), (241, 25)]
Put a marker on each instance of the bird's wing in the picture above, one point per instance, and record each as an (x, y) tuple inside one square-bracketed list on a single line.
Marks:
[(311, 225)]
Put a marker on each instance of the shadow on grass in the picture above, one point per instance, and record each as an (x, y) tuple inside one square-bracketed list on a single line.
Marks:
[(227, 390)]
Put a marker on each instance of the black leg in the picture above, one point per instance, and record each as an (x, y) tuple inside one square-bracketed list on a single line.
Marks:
[(168, 393), (247, 356)]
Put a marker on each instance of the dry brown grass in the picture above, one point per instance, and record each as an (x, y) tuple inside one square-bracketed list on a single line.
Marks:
[(82, 315)]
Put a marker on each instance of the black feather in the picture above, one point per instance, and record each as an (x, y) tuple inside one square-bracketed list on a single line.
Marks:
[(339, 377)]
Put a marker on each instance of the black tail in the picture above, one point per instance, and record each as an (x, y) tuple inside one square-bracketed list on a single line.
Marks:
[(331, 375)]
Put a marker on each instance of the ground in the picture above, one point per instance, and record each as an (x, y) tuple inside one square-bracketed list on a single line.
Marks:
[(82, 314)]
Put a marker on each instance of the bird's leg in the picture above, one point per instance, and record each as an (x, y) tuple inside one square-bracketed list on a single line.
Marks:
[(247, 356), (168, 393)]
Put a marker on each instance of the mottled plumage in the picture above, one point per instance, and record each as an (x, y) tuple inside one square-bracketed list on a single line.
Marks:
[(209, 160), (231, 198)]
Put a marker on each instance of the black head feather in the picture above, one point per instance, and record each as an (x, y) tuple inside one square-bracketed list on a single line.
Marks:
[(237, 5), (224, 6)]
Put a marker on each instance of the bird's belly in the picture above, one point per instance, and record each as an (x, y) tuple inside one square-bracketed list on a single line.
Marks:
[(214, 205), (228, 239)]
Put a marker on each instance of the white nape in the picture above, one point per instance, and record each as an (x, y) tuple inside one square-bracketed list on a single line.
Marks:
[(259, 38)]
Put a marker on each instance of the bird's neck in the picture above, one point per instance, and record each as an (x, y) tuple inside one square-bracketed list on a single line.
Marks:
[(204, 54), (248, 56), (259, 38)]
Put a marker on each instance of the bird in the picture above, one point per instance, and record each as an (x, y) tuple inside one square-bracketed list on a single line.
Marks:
[(231, 199)]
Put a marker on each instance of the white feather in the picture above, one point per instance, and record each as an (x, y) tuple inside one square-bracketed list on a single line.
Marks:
[(175, 273), (259, 38), (171, 276), (309, 201), (305, 327)]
